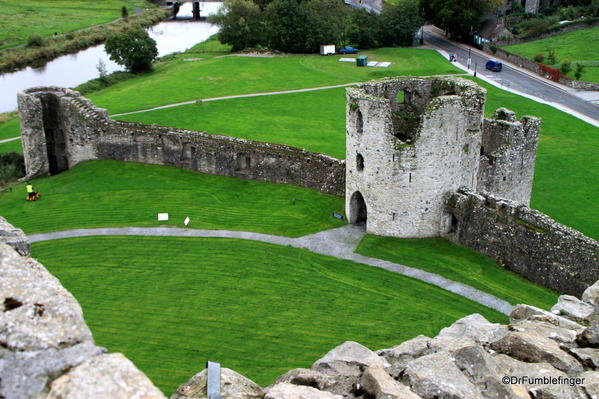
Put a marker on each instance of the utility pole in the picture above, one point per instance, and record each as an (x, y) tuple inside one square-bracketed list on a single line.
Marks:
[(470, 48)]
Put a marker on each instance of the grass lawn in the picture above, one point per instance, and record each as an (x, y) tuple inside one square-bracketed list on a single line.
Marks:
[(440, 256), (314, 120), (11, 146), (9, 126), (20, 19), (576, 46), (110, 194), (179, 80), (170, 304)]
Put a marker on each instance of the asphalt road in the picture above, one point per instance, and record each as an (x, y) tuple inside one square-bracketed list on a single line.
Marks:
[(513, 78)]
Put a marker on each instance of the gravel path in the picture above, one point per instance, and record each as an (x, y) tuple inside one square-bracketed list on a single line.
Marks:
[(339, 243)]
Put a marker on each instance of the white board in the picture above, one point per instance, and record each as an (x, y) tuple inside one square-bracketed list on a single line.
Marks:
[(186, 221), (347, 59), (162, 217)]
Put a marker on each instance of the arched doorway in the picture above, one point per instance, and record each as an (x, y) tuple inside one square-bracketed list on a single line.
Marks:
[(357, 209)]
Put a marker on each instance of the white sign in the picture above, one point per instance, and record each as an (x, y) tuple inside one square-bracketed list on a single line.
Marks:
[(186, 221), (162, 217)]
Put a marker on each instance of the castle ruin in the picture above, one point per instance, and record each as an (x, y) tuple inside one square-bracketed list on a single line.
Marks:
[(412, 141)]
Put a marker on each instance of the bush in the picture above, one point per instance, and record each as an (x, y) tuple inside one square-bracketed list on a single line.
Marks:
[(12, 167), (551, 72), (539, 57), (551, 59), (566, 66), (125, 13), (240, 24), (578, 71), (35, 41), (133, 49)]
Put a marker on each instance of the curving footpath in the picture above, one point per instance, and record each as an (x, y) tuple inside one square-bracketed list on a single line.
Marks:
[(339, 243)]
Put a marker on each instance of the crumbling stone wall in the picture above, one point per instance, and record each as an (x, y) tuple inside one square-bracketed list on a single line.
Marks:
[(507, 156), (410, 141), (525, 241), (72, 130)]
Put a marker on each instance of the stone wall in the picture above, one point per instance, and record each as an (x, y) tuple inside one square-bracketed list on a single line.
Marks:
[(507, 156), (525, 241), (412, 141), (46, 349), (60, 129)]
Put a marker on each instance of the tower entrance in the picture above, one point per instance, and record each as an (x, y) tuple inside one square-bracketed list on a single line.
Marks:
[(54, 135), (358, 213)]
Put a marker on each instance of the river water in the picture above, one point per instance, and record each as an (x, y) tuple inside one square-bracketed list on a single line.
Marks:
[(73, 69)]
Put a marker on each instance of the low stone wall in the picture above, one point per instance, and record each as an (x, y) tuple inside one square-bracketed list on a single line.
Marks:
[(59, 129), (525, 241), (534, 67)]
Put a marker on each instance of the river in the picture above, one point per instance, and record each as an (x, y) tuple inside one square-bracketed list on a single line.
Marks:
[(73, 69)]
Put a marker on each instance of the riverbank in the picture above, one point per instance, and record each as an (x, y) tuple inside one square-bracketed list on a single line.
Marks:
[(14, 58)]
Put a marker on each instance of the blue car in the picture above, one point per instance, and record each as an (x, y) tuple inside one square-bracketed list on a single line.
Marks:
[(347, 50), (494, 65)]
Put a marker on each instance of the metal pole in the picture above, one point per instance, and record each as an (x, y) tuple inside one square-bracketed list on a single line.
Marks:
[(469, 49), (213, 380)]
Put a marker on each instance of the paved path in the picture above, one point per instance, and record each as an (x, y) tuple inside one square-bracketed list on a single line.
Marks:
[(339, 243), (10, 139), (515, 79)]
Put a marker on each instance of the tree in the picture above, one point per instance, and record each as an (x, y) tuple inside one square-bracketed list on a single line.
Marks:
[(125, 13), (133, 49), (285, 28), (364, 28), (578, 71), (566, 66), (240, 23), (459, 17), (327, 21), (400, 22)]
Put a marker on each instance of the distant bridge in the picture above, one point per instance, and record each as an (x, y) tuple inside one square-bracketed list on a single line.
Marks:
[(196, 6)]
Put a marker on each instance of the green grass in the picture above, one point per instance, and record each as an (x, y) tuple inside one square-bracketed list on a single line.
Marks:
[(20, 19), (11, 146), (577, 46), (170, 304), (9, 127), (179, 80), (440, 256), (110, 194), (314, 120)]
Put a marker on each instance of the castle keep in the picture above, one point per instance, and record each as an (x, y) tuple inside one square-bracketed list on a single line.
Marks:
[(412, 141)]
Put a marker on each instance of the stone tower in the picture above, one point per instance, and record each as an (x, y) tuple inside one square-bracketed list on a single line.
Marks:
[(412, 141), (409, 142)]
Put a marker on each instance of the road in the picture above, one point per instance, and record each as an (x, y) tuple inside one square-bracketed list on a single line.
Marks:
[(513, 78)]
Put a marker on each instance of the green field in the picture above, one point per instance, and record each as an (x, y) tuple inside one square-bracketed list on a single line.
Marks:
[(110, 194), (576, 46), (313, 120), (22, 18), (9, 126), (179, 80), (440, 256), (170, 304), (12, 146)]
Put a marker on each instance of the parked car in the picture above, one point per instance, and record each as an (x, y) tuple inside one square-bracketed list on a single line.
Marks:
[(494, 65), (347, 50)]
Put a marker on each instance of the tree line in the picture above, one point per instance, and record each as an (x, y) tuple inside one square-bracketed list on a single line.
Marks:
[(301, 26)]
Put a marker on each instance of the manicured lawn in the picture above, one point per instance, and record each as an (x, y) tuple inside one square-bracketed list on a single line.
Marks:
[(9, 127), (440, 256), (579, 45), (11, 146), (314, 120), (110, 193), (22, 18), (170, 304), (180, 80)]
